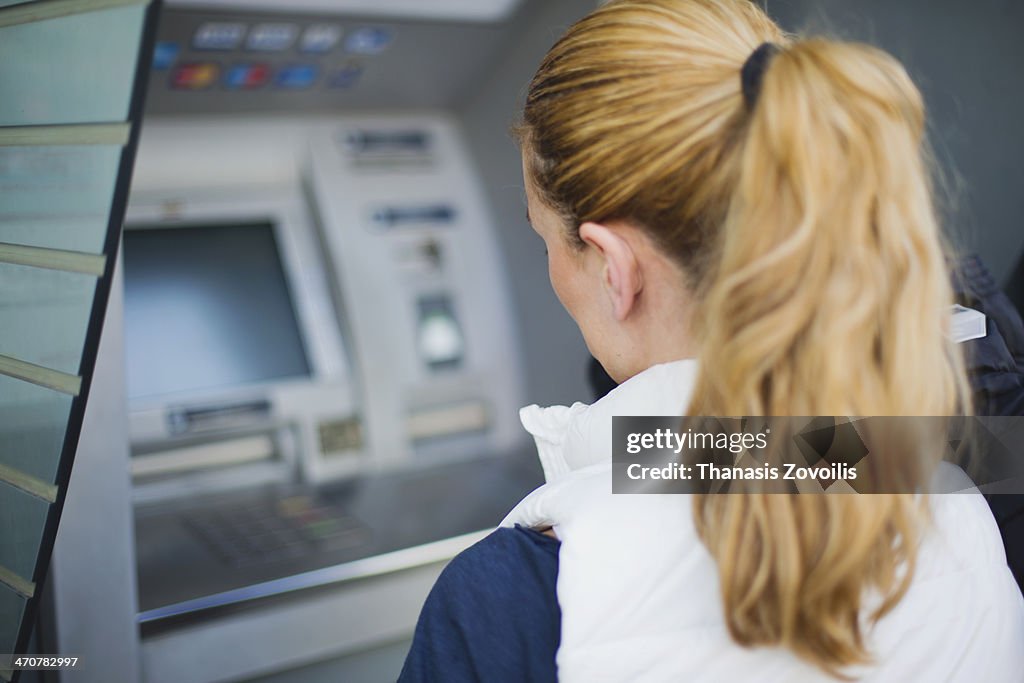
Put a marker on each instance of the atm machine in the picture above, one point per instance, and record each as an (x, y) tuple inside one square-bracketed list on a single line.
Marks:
[(323, 388), (323, 371)]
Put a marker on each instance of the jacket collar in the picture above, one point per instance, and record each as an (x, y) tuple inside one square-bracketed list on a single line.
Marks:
[(572, 437)]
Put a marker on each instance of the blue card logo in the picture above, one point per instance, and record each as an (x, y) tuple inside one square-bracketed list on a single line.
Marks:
[(297, 76), (369, 40)]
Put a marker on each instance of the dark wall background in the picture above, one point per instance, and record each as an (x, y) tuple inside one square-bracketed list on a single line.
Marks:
[(967, 58)]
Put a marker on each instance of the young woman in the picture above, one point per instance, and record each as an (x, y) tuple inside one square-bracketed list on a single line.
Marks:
[(740, 224)]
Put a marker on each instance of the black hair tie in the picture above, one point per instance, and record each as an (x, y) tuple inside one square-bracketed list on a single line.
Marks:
[(753, 71)]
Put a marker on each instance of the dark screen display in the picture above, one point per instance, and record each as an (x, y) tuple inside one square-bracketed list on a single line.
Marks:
[(207, 307)]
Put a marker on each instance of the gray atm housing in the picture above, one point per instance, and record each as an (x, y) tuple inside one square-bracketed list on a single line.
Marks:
[(403, 439), (391, 259)]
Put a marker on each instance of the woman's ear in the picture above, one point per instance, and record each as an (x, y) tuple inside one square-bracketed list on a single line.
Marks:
[(621, 270)]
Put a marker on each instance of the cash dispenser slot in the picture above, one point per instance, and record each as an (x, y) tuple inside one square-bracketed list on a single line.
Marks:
[(218, 418), (209, 455)]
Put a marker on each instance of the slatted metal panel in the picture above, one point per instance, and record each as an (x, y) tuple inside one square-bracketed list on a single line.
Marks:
[(72, 92)]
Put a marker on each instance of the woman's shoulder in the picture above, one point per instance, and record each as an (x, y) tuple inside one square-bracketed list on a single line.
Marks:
[(508, 546), (492, 614), (963, 534), (512, 571)]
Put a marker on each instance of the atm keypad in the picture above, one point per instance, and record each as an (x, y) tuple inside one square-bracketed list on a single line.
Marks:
[(276, 530)]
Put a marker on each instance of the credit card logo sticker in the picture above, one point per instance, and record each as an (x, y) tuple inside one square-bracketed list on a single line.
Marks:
[(347, 76), (164, 54), (218, 35), (369, 40), (195, 76), (272, 37), (247, 76), (297, 76), (320, 38)]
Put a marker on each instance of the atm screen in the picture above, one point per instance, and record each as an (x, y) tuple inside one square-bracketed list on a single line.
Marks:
[(207, 307)]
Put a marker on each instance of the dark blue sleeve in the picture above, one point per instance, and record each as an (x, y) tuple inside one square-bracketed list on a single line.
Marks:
[(996, 361), (996, 368), (492, 615)]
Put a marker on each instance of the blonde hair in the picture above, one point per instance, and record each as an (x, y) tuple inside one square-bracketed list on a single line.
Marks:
[(807, 228)]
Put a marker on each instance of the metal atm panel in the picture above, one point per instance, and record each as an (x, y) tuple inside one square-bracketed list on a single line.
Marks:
[(416, 259)]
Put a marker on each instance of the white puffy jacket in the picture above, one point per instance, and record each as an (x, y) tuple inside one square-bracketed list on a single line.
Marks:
[(639, 592)]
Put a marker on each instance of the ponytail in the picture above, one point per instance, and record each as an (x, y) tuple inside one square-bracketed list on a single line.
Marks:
[(829, 297), (831, 275)]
